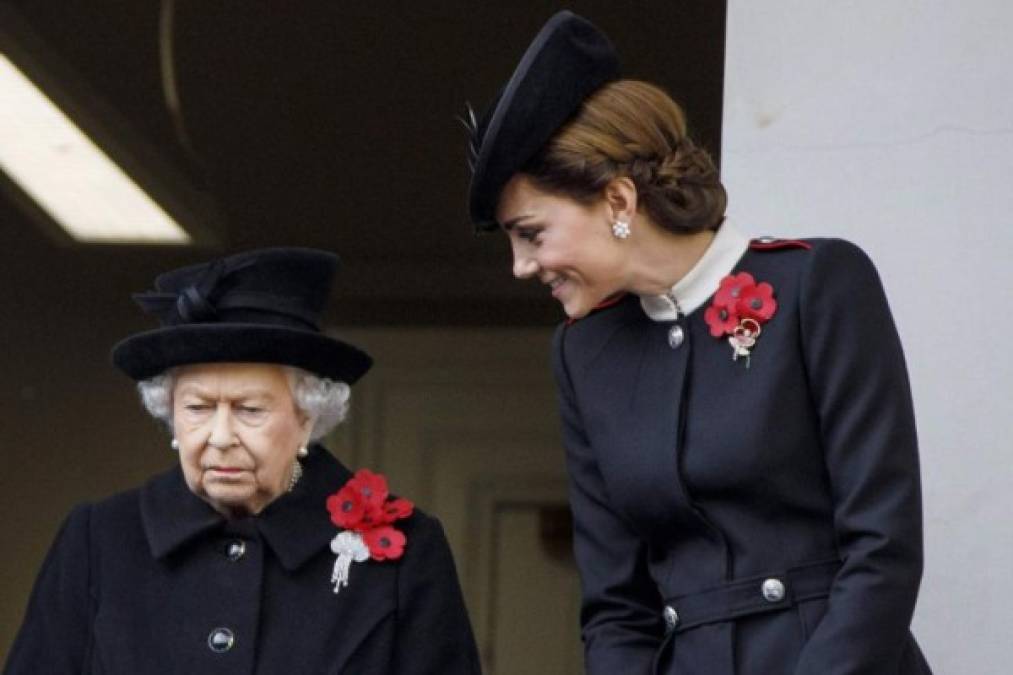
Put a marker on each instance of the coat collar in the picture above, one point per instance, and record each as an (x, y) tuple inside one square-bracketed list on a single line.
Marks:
[(296, 525), (699, 284)]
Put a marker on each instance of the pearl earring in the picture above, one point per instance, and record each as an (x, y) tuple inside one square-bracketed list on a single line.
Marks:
[(302, 452), (174, 445), (621, 229)]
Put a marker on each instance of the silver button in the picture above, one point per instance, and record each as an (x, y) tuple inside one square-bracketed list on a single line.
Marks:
[(235, 550), (671, 618), (221, 640), (773, 590), (676, 336)]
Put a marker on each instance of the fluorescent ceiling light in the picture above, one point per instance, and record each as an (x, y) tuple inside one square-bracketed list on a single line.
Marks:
[(69, 177)]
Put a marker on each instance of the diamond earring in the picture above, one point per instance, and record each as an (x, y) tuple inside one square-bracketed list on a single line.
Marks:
[(174, 445), (621, 229), (302, 452)]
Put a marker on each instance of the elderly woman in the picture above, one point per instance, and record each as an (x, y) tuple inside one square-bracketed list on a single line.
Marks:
[(259, 552), (737, 417)]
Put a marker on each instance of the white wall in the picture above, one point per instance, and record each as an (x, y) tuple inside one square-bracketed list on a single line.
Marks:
[(891, 124)]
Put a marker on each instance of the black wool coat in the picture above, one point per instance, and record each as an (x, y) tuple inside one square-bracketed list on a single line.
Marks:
[(146, 582), (734, 520)]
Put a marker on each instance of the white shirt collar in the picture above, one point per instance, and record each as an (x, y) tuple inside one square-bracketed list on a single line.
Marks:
[(702, 280)]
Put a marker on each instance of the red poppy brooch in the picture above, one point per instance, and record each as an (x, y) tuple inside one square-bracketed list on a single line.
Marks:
[(740, 307), (365, 511)]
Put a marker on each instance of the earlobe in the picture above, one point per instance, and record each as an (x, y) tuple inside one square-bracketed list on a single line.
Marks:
[(303, 450), (307, 428)]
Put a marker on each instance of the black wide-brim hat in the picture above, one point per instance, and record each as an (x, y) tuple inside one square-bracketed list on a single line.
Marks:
[(567, 61), (261, 306)]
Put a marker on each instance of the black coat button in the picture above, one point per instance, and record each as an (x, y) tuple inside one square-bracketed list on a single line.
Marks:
[(235, 550), (221, 640)]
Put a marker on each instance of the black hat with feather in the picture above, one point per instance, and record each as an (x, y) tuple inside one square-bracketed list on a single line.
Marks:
[(260, 306), (567, 61)]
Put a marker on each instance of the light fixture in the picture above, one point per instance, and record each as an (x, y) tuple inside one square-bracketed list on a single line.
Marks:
[(72, 161), (68, 176)]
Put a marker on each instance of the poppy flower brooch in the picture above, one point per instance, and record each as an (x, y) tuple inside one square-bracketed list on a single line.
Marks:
[(365, 511), (740, 307)]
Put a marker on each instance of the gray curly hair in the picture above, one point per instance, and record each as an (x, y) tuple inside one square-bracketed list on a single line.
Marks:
[(324, 400)]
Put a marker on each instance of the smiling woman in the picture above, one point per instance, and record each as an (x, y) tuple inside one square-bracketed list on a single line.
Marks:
[(559, 240), (739, 433), (249, 543)]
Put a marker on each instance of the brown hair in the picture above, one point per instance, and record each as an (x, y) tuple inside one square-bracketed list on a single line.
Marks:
[(634, 129)]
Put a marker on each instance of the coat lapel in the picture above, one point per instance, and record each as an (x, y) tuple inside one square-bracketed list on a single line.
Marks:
[(297, 525)]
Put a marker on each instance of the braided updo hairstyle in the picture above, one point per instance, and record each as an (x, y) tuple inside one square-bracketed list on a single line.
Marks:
[(634, 129)]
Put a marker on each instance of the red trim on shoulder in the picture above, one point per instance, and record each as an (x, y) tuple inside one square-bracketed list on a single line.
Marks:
[(607, 302), (775, 244)]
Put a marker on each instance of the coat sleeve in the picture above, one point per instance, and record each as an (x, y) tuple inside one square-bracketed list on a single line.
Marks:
[(860, 388), (620, 609), (434, 635), (55, 636)]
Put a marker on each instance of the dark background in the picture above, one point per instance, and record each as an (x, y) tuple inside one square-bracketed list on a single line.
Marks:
[(321, 124)]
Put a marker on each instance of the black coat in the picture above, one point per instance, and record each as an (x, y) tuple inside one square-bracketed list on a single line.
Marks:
[(139, 582), (695, 480)]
